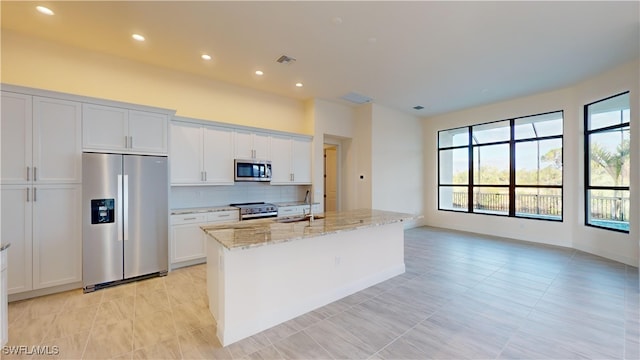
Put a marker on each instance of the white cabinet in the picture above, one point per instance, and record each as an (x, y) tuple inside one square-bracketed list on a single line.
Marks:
[(290, 160), (296, 210), (4, 310), (41, 190), (188, 241), (251, 145), (42, 222), (41, 140), (17, 229), (201, 155), (108, 128)]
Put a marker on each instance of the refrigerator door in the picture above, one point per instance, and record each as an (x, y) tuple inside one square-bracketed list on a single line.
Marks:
[(101, 218), (146, 188)]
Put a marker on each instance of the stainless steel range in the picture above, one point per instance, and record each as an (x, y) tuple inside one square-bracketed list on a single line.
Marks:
[(256, 210)]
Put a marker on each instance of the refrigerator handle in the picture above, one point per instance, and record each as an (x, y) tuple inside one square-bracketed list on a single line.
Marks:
[(119, 208), (125, 205)]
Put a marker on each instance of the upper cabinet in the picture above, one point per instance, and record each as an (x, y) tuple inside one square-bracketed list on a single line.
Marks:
[(290, 160), (41, 140), (201, 155), (108, 128), (251, 145)]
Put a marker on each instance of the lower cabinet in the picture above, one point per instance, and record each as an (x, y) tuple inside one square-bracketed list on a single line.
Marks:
[(43, 225), (296, 210), (188, 241)]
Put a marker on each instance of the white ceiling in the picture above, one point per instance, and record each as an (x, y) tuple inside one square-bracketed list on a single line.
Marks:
[(441, 55)]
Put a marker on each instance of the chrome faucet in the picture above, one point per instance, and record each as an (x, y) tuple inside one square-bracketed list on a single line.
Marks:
[(307, 199)]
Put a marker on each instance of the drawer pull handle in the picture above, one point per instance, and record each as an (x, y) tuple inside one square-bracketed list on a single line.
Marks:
[(224, 215), (191, 218)]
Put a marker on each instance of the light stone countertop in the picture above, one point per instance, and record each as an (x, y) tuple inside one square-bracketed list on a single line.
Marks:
[(293, 203), (252, 233), (203, 210)]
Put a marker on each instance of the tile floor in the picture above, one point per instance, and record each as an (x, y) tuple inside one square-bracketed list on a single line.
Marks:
[(463, 296)]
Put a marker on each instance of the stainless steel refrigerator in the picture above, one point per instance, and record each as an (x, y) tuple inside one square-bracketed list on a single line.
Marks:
[(125, 218)]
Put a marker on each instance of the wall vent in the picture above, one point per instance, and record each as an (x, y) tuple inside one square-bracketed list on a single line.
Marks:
[(284, 59), (356, 98)]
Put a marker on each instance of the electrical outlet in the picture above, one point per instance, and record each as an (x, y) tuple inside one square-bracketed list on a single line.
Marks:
[(337, 260)]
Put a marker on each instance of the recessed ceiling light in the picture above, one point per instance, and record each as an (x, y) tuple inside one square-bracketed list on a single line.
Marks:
[(259, 72), (137, 37), (44, 10), (299, 84), (206, 57)]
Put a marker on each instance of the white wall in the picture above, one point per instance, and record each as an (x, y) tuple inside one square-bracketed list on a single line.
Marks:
[(363, 150), (33, 62), (622, 247), (397, 161), (335, 121), (571, 232)]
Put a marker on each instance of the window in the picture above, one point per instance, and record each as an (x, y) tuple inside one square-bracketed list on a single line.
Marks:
[(607, 163), (509, 167)]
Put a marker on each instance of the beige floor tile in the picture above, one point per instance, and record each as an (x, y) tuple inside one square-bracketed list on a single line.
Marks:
[(18, 310), (202, 344), (147, 285), (463, 296), (184, 293), (119, 291), (77, 299), (47, 305), (192, 316), (68, 347), (149, 302), (150, 329), (108, 341), (115, 311), (30, 331), (249, 345), (166, 349), (68, 322)]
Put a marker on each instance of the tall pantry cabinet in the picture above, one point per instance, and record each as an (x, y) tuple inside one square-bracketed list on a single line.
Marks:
[(41, 190)]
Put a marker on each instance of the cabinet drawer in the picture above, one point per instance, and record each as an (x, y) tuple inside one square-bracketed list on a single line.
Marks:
[(188, 219), (220, 216)]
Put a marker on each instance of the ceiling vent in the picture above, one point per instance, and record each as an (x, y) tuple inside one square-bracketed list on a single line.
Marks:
[(284, 59), (356, 98)]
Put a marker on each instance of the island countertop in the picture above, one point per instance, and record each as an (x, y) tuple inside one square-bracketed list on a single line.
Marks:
[(251, 233)]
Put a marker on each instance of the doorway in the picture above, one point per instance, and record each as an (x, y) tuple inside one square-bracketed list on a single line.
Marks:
[(331, 177)]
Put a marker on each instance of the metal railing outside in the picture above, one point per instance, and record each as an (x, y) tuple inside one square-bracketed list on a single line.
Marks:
[(602, 208)]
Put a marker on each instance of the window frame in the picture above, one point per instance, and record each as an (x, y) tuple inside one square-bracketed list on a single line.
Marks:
[(587, 162), (471, 186)]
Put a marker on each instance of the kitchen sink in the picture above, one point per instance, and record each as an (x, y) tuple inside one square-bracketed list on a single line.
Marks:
[(291, 219)]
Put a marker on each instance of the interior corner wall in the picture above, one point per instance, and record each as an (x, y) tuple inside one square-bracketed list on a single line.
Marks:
[(613, 245), (36, 63), (363, 158), (338, 122), (571, 232), (397, 161)]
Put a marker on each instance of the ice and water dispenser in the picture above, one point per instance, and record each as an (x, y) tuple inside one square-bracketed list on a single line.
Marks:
[(102, 211)]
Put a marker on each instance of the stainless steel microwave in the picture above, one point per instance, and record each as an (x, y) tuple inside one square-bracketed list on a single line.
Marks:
[(252, 170)]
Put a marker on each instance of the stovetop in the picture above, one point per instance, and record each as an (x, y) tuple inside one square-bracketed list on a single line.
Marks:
[(255, 210)]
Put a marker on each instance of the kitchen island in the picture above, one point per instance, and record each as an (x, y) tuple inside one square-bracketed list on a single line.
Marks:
[(261, 273)]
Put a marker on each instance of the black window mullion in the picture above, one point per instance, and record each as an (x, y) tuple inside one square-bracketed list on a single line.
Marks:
[(470, 179), (512, 170)]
